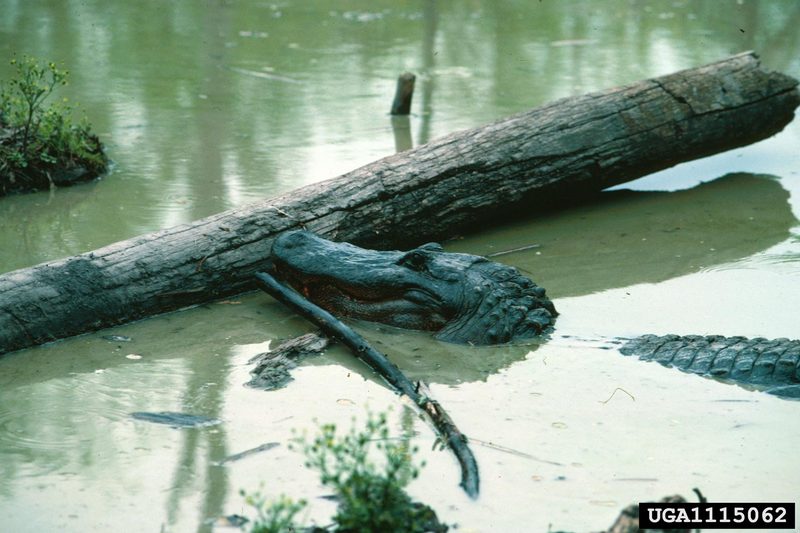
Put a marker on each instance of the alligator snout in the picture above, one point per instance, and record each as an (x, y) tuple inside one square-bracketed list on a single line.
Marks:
[(463, 298)]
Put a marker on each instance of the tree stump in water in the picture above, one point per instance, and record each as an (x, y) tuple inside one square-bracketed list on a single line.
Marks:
[(403, 94)]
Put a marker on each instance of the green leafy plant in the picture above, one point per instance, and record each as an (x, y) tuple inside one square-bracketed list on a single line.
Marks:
[(33, 84), (369, 489), (277, 516), (368, 472), (40, 144)]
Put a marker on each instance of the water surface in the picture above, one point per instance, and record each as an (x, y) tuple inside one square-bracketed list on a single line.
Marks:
[(205, 106)]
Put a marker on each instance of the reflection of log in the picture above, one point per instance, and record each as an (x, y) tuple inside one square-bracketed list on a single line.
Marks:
[(655, 235), (334, 328), (565, 149)]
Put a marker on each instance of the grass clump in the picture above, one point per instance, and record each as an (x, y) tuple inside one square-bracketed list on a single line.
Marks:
[(368, 473), (277, 516), (40, 145)]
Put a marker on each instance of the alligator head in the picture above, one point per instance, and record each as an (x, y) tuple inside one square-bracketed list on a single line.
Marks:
[(464, 298)]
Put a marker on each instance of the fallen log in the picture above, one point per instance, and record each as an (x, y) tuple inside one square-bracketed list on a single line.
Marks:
[(334, 328), (567, 149)]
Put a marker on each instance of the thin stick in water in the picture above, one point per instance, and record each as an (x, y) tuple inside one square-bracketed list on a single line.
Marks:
[(334, 328)]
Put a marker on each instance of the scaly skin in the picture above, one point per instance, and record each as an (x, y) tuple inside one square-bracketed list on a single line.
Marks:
[(758, 361), (464, 298), (468, 299)]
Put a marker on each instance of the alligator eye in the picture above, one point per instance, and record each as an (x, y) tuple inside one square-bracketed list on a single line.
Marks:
[(414, 260), (432, 246)]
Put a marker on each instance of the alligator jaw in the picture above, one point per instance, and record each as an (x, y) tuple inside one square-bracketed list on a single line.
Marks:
[(413, 309), (358, 283), (465, 298)]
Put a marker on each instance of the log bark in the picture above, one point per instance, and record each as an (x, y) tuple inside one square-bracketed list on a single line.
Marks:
[(566, 149)]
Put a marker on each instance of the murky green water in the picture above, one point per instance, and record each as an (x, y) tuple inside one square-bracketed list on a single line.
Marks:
[(208, 105)]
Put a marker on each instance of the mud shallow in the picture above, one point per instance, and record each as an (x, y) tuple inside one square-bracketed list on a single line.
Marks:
[(192, 138)]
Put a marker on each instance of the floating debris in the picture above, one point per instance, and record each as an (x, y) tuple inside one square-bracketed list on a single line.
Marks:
[(256, 34), (614, 392), (176, 420), (514, 250), (231, 520), (273, 368), (512, 451), (573, 42), (246, 453), (262, 75), (116, 338)]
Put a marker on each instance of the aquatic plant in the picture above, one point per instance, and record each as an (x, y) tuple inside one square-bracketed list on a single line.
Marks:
[(368, 472), (369, 489), (277, 516), (40, 144)]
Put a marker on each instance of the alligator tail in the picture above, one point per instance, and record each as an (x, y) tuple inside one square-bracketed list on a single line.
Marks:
[(759, 361)]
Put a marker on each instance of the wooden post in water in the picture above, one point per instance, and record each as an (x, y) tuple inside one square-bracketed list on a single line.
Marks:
[(403, 94)]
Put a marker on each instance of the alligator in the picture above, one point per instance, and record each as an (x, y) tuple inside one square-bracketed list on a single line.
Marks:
[(469, 299), (463, 298), (771, 364)]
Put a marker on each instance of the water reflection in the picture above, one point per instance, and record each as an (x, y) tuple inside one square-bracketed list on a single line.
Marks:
[(421, 357), (208, 105), (401, 126), (427, 82), (195, 468), (622, 238), (627, 237), (66, 408), (193, 136)]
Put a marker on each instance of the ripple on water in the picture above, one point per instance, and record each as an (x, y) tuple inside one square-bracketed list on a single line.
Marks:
[(131, 382), (64, 413), (57, 418)]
